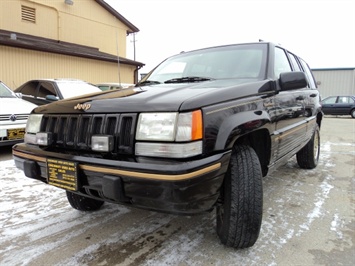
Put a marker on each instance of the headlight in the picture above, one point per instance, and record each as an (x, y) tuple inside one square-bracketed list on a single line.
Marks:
[(33, 123), (169, 126), (160, 128), (156, 126), (32, 127)]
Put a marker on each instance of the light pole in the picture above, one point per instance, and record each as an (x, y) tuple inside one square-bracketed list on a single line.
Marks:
[(134, 46)]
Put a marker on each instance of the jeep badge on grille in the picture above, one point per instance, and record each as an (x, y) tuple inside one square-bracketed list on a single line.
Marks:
[(84, 106)]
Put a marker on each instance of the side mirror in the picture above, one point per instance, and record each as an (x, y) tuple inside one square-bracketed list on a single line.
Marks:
[(292, 80), (19, 94), (51, 98)]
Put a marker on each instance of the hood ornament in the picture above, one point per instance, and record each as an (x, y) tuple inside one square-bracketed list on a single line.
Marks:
[(13, 118), (82, 106)]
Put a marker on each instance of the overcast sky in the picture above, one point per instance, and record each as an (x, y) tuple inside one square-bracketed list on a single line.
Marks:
[(322, 32)]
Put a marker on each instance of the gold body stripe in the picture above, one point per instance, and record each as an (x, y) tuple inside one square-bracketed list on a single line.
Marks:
[(233, 106), (29, 156), (152, 176), (286, 133), (106, 170)]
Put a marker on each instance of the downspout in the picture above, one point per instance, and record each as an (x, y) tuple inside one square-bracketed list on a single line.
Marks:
[(136, 74), (56, 10)]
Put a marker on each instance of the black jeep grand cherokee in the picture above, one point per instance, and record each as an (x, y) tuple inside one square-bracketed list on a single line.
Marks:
[(198, 132)]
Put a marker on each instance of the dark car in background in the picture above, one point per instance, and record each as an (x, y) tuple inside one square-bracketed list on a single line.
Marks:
[(43, 91), (339, 105)]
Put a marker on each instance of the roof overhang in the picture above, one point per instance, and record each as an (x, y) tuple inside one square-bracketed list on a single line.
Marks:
[(30, 42), (132, 28)]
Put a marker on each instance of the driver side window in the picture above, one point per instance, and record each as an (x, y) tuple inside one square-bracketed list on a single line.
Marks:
[(330, 100)]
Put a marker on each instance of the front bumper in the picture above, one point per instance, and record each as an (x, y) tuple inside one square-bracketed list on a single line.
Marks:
[(16, 135), (187, 187), (9, 142)]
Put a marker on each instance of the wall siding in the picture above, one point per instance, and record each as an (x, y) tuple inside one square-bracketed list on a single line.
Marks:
[(85, 23), (335, 82), (20, 65)]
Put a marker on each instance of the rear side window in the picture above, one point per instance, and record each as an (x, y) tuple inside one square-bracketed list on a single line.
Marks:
[(295, 65), (307, 71), (281, 62), (345, 99), (351, 100)]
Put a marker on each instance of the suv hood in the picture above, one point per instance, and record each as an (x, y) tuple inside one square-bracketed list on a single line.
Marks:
[(162, 97)]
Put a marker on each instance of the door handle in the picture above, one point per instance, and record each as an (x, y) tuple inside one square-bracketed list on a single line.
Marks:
[(313, 95)]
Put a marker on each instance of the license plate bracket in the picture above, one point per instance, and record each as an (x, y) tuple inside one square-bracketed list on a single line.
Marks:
[(15, 133), (62, 174)]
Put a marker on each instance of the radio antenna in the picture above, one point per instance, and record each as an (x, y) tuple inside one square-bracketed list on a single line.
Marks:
[(118, 60)]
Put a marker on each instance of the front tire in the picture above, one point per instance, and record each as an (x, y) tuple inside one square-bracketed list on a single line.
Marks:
[(239, 218), (82, 203), (308, 156)]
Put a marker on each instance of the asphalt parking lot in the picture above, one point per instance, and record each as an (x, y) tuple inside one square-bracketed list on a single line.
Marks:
[(308, 219)]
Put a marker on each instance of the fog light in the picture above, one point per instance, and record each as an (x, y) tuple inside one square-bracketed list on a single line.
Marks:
[(102, 143), (3, 133), (44, 138), (169, 150)]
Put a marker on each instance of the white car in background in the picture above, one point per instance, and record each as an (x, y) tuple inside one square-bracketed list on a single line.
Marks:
[(114, 86), (14, 113), (44, 91)]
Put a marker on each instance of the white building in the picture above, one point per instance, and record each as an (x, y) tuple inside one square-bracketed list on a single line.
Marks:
[(335, 81)]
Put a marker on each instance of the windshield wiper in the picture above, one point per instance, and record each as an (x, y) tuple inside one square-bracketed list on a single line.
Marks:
[(187, 79), (148, 82)]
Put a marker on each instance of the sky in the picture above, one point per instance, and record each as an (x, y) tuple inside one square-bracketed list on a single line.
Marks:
[(322, 32)]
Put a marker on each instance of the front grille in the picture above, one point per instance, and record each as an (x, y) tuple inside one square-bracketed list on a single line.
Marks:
[(74, 132), (6, 117)]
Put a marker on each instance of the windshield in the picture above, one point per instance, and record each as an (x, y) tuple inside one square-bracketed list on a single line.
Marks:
[(247, 61), (72, 89), (5, 92)]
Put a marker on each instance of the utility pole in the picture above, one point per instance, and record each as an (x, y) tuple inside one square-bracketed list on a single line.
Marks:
[(134, 46)]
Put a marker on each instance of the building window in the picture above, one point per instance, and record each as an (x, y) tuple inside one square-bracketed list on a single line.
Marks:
[(28, 14)]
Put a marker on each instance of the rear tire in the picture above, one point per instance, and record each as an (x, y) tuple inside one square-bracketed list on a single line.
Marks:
[(308, 156), (82, 203), (352, 112), (239, 218)]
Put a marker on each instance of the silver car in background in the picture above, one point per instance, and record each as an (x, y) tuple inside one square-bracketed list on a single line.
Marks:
[(14, 113)]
